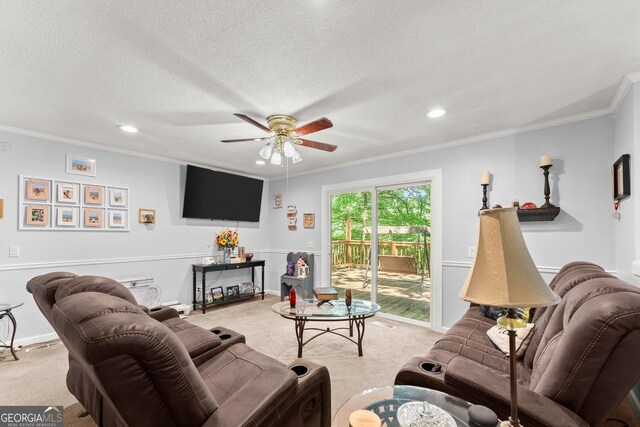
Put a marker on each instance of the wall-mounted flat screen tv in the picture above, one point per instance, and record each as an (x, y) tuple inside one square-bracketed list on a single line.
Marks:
[(210, 194)]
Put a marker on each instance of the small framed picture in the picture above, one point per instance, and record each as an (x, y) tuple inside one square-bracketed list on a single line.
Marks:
[(67, 216), (118, 197), (246, 288), (117, 219), (216, 293), (81, 165), (93, 195), (277, 201), (37, 215), (68, 193), (93, 218), (233, 291), (209, 297), (147, 216), (37, 189), (621, 178), (308, 220)]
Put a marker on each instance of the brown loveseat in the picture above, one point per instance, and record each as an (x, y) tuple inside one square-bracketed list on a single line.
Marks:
[(579, 365), (132, 367)]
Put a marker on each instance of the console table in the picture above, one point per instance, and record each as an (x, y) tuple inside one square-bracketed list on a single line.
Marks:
[(204, 268)]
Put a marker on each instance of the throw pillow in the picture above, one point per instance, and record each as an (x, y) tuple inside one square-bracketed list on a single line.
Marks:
[(500, 337)]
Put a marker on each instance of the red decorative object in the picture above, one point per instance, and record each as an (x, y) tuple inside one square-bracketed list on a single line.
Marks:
[(347, 298), (528, 205), (292, 298)]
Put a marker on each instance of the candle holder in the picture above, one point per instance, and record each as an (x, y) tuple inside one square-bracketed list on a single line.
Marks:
[(484, 197), (547, 189)]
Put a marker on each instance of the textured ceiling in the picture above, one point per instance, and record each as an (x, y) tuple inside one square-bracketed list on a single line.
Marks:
[(178, 70)]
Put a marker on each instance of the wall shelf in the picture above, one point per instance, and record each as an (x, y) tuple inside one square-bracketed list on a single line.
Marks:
[(539, 214)]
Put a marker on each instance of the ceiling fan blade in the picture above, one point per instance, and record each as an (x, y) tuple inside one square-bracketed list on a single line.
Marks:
[(243, 139), (315, 126), (253, 122), (315, 144)]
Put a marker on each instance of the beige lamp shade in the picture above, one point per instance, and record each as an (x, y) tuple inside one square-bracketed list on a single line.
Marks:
[(503, 273)]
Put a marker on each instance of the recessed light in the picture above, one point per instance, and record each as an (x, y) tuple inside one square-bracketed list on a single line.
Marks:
[(436, 112), (260, 162), (128, 128)]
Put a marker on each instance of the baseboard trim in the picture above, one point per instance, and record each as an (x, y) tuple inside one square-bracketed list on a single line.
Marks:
[(72, 263), (35, 339)]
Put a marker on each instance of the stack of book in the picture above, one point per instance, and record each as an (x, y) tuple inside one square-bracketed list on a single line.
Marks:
[(325, 294)]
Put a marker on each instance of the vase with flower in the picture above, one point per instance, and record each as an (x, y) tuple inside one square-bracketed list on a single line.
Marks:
[(227, 240)]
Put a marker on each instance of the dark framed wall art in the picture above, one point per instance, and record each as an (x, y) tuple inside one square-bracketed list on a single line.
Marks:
[(622, 178)]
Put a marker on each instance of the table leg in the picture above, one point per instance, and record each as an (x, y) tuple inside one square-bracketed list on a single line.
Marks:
[(204, 291), (351, 326), (262, 283), (359, 321), (194, 289), (300, 321), (13, 333)]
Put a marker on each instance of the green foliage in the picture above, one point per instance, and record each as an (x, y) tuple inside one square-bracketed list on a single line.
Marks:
[(408, 206)]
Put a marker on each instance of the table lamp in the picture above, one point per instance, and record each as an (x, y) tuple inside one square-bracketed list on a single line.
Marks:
[(504, 275)]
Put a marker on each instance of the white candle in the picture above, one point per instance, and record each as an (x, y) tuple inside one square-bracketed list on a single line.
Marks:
[(484, 179), (545, 160)]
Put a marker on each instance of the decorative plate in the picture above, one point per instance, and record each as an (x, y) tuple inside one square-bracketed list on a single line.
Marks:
[(414, 414)]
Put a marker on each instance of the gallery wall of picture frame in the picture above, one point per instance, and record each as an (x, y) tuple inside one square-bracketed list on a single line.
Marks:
[(65, 205)]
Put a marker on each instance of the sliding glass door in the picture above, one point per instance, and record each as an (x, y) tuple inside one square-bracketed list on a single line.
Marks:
[(382, 254)]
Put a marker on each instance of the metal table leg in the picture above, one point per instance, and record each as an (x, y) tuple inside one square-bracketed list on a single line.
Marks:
[(300, 322), (13, 333)]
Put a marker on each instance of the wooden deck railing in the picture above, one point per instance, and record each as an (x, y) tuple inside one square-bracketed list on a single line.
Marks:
[(355, 253)]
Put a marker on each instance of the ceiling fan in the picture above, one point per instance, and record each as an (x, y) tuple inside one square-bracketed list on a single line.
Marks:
[(285, 136)]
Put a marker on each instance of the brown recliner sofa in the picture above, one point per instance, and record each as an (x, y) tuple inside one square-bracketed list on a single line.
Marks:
[(133, 367), (577, 368)]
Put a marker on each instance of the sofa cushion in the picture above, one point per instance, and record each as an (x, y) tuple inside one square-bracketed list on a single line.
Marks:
[(197, 340), (235, 367)]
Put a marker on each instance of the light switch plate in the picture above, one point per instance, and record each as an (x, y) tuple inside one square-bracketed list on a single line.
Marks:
[(471, 252), (14, 251)]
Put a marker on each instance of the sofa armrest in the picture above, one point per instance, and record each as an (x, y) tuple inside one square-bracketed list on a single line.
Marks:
[(479, 384), (258, 402), (163, 313)]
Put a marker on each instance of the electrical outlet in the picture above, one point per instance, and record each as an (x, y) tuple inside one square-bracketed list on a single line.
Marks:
[(14, 251), (471, 252), (311, 244)]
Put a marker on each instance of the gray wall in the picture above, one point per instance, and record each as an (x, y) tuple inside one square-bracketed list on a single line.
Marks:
[(581, 186), (625, 229), (164, 251), (582, 154)]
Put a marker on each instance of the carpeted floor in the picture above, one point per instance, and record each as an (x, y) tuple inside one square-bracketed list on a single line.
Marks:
[(38, 378)]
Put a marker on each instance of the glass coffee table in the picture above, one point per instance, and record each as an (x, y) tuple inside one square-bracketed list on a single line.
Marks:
[(335, 311), (385, 401)]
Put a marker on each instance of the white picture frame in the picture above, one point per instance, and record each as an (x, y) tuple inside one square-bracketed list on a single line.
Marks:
[(67, 192), (118, 197), (81, 165), (117, 218), (67, 216)]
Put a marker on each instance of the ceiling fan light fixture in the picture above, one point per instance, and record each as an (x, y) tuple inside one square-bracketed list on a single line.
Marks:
[(288, 148), (296, 156), (276, 159), (266, 151), (436, 113), (260, 162)]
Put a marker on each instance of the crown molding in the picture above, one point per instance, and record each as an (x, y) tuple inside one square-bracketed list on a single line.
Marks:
[(110, 149)]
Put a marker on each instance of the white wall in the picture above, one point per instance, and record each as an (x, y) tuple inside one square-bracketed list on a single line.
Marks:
[(582, 154), (164, 251), (581, 186), (625, 229)]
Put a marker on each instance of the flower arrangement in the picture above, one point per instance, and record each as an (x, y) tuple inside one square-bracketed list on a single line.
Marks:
[(227, 239)]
